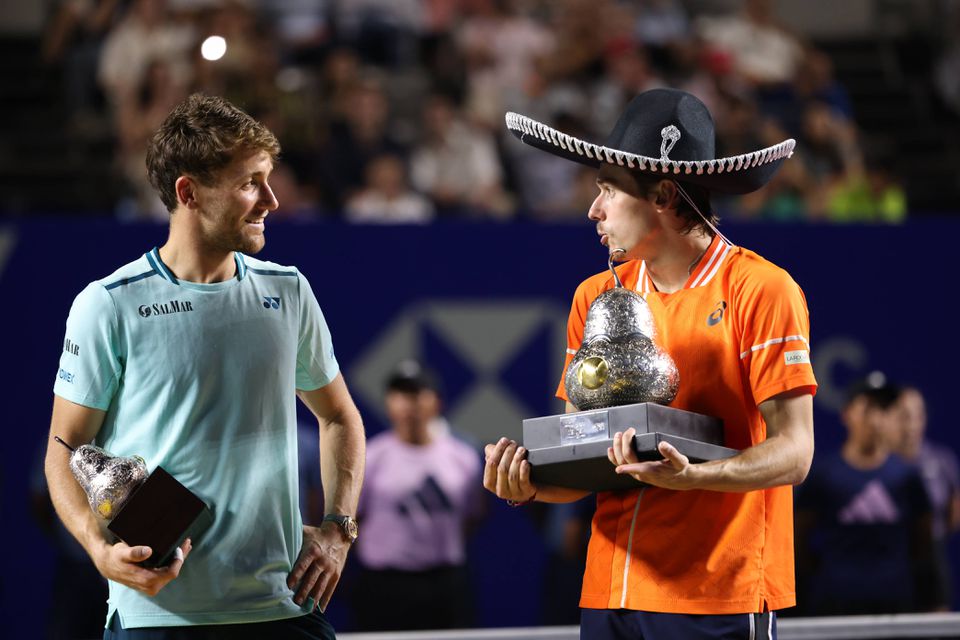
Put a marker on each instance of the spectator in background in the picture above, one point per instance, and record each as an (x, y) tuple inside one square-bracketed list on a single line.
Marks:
[(247, 72), (550, 187), (386, 197), (762, 52), (501, 48), (302, 27), (863, 518), (356, 136), (843, 186), (871, 194), (146, 33), (421, 491), (628, 73), (74, 39), (946, 73), (338, 83), (941, 476), (586, 28), (384, 32), (457, 165), (789, 194), (298, 201), (814, 82), (139, 115), (661, 26)]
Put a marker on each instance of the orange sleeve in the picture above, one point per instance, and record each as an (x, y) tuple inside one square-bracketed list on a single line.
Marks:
[(775, 343)]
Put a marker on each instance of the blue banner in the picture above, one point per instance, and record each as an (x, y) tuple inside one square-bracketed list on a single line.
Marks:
[(486, 305)]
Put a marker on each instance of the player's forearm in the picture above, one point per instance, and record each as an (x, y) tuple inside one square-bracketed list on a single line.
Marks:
[(70, 501), (342, 457), (782, 459), (558, 495)]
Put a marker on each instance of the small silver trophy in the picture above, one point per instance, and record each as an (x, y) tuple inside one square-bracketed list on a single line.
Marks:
[(140, 508), (108, 480), (618, 379)]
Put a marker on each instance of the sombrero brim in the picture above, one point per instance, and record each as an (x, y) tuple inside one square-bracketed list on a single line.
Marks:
[(735, 174)]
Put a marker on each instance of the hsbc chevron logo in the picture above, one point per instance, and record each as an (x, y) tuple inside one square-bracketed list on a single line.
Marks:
[(499, 361)]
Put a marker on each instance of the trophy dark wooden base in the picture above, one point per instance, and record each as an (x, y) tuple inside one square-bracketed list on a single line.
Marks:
[(161, 514), (570, 450)]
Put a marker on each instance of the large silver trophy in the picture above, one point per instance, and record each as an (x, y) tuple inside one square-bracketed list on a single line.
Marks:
[(618, 379), (138, 507)]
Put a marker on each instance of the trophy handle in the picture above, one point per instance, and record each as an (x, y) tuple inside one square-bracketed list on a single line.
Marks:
[(616, 276)]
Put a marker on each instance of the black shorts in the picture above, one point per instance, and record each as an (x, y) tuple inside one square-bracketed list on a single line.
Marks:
[(623, 624), (313, 626)]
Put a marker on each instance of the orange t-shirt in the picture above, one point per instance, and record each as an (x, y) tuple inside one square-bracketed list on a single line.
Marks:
[(739, 333)]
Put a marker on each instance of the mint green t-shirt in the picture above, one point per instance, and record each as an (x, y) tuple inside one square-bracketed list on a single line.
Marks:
[(200, 379)]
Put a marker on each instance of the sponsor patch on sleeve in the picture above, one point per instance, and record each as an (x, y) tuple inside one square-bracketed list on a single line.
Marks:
[(796, 357)]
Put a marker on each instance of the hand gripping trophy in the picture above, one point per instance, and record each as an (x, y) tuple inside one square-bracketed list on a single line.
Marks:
[(138, 507), (619, 378)]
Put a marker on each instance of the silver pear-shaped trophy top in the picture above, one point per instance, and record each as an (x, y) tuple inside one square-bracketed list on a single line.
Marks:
[(618, 362), (108, 480)]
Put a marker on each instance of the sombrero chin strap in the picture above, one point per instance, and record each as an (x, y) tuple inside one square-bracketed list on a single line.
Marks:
[(700, 213)]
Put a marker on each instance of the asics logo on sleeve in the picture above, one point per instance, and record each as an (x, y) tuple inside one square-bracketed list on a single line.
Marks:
[(717, 314)]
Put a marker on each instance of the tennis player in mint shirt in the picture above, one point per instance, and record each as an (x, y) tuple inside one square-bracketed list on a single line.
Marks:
[(192, 357)]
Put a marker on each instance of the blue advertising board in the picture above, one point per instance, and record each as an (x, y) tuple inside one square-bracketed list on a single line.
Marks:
[(486, 306)]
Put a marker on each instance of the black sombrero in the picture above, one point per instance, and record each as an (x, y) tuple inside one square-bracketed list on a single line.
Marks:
[(666, 132)]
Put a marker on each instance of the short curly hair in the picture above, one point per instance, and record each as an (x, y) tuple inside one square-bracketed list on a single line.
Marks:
[(200, 137)]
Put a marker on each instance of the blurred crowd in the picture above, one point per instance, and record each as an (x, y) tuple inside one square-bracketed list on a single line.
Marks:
[(392, 110)]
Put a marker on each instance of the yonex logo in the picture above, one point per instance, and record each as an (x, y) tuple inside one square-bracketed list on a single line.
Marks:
[(164, 308), (717, 314), (271, 303)]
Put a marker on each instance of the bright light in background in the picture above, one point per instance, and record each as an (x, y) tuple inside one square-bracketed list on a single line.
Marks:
[(213, 48)]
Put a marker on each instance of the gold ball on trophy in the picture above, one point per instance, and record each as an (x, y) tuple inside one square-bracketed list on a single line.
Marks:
[(592, 372)]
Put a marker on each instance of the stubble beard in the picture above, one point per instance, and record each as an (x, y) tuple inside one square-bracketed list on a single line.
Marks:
[(218, 241)]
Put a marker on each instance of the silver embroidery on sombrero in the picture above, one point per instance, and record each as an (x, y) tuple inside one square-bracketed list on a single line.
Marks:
[(670, 137), (530, 127)]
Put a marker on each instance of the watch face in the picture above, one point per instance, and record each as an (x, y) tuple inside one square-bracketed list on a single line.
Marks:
[(350, 526)]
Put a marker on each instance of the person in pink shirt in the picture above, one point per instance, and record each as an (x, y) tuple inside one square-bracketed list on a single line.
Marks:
[(421, 492)]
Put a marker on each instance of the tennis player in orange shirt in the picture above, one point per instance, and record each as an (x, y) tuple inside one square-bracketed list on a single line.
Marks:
[(696, 550)]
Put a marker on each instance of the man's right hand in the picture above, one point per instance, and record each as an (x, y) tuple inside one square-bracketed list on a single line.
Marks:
[(507, 472), (118, 562)]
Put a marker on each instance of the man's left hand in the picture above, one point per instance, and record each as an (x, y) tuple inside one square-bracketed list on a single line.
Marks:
[(673, 472), (318, 568)]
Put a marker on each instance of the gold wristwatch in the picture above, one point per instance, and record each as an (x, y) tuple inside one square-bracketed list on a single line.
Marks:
[(346, 523)]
